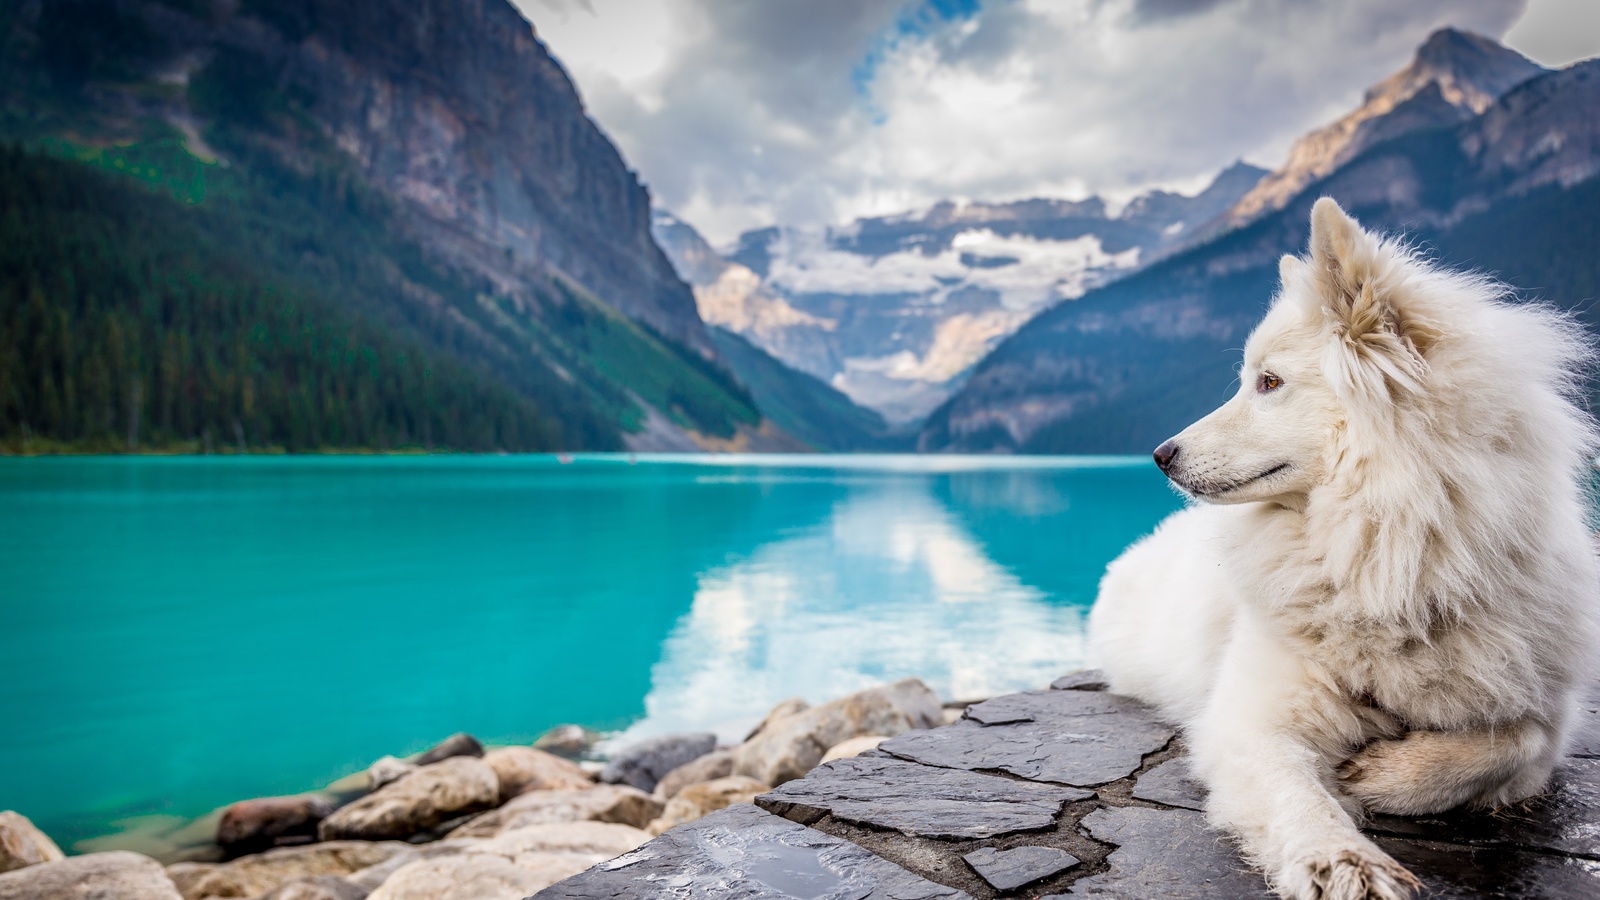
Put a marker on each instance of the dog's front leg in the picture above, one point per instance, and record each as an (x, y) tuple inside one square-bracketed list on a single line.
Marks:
[(1265, 747)]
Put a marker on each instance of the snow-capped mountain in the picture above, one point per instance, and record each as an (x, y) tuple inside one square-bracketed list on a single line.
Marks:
[(893, 311)]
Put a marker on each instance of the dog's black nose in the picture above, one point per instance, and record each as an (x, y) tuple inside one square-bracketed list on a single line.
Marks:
[(1165, 454)]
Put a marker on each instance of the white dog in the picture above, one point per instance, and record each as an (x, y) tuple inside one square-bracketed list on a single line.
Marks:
[(1390, 602)]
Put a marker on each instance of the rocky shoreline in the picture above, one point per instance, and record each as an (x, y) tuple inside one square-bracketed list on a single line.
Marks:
[(1057, 793), (463, 821)]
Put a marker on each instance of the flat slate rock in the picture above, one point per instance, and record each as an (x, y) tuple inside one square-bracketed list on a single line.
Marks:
[(1169, 854), (742, 853), (1173, 784), (1007, 870), (1071, 737), (1082, 680), (1565, 820), (1453, 872), (919, 800)]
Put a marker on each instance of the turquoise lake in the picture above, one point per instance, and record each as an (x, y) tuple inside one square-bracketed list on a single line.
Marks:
[(179, 633)]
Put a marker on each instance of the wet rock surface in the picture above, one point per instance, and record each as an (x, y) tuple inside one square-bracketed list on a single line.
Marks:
[(1007, 870), (1073, 737), (920, 800), (1085, 795), (742, 853)]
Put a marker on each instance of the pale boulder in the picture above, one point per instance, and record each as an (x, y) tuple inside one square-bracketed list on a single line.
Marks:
[(615, 803), (853, 747), (568, 741), (252, 876), (118, 875), (419, 801), (699, 800), (522, 769), (514, 865), (788, 748), (477, 876), (783, 710), (714, 765), (22, 844), (323, 887), (387, 770)]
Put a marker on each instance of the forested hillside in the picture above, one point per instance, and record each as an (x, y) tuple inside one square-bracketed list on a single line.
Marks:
[(267, 317), (311, 225)]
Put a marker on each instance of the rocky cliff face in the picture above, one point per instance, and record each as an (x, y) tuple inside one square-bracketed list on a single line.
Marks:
[(454, 107), (1512, 190), (1454, 76), (895, 310)]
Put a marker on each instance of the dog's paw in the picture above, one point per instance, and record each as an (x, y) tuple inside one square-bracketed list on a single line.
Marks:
[(1348, 874), (1398, 777)]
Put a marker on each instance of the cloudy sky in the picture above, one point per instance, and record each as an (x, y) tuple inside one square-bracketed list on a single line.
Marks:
[(745, 113)]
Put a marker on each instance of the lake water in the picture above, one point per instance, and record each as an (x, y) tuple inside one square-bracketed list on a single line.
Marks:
[(179, 633)]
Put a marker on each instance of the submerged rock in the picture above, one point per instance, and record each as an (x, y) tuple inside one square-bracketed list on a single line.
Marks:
[(521, 769), (459, 744), (118, 875), (790, 747), (644, 764), (22, 844), (567, 741), (252, 825), (699, 800), (615, 803), (252, 876), (714, 765), (421, 800)]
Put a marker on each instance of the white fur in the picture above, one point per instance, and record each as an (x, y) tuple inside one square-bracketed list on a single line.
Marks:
[(1393, 598)]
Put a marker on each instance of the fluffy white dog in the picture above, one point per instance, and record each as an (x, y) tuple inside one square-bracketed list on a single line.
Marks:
[(1387, 598)]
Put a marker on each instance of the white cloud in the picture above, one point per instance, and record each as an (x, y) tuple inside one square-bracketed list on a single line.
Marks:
[(812, 112)]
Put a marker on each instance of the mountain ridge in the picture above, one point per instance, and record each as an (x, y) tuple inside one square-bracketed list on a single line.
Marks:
[(894, 310), (1126, 366)]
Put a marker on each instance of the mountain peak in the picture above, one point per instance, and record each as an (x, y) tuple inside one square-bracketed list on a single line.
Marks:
[(1472, 71), (1468, 72)]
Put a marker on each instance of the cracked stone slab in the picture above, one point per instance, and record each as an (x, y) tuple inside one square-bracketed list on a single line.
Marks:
[(1082, 680), (917, 800), (742, 853), (1071, 737), (1170, 854), (1565, 820), (1173, 784), (1007, 870)]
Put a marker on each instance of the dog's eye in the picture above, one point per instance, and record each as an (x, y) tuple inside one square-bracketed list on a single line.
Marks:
[(1268, 382)]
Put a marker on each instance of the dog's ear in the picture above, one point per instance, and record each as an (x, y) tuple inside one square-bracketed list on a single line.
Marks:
[(1357, 278), (1289, 266)]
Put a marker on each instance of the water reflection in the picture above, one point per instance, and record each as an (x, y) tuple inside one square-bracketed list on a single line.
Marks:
[(891, 585)]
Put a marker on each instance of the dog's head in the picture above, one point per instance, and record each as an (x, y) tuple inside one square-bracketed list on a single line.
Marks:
[(1342, 331)]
